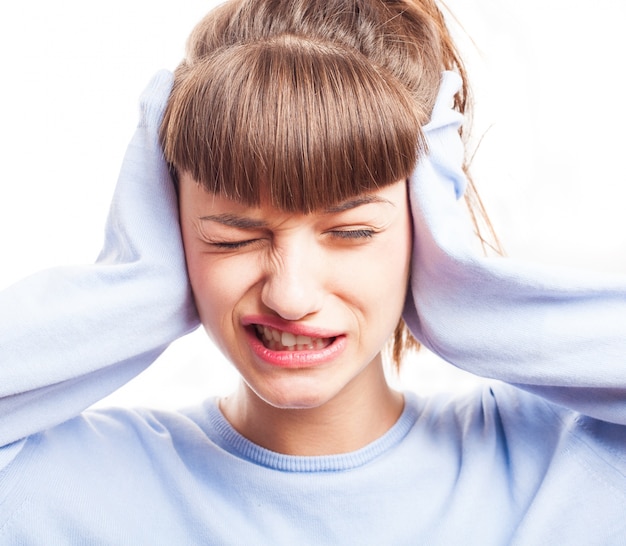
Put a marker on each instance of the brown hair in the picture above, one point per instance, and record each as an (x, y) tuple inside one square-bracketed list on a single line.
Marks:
[(309, 102), (308, 121)]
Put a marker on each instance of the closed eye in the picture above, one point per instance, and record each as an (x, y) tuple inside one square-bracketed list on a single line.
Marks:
[(353, 233), (232, 245)]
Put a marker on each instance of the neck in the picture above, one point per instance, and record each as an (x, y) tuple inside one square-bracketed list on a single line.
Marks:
[(361, 413)]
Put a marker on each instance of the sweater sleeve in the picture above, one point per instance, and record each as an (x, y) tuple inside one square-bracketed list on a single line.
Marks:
[(70, 336), (557, 332)]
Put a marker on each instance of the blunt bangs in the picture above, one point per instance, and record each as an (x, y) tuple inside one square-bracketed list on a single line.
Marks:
[(298, 123)]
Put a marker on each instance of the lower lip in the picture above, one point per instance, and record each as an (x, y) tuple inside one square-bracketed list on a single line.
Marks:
[(296, 359)]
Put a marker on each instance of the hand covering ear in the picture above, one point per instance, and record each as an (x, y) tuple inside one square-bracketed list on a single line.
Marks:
[(554, 331), (69, 336)]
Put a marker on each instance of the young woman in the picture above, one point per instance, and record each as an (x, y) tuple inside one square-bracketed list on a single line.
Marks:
[(305, 211)]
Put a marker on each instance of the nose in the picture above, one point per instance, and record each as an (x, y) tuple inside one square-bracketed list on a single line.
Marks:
[(293, 285)]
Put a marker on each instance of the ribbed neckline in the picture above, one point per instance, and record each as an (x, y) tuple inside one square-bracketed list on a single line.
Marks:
[(237, 445)]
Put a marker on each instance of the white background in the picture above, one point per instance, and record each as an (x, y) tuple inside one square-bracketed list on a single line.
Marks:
[(549, 86)]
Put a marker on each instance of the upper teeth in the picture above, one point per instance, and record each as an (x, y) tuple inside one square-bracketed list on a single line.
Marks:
[(287, 339)]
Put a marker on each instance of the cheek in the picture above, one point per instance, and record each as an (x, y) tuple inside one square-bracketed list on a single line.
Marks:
[(217, 286), (377, 282), (390, 275), (394, 256), (392, 278), (203, 283)]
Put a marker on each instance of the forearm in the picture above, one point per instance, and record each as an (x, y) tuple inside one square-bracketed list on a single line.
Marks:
[(554, 331), (557, 333), (70, 336)]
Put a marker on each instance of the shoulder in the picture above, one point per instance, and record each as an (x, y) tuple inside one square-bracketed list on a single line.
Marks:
[(99, 438), (521, 430)]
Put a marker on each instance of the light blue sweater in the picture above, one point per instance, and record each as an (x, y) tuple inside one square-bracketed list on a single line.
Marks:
[(498, 467), (543, 462)]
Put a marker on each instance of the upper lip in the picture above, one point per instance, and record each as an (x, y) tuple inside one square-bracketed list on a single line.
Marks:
[(295, 328)]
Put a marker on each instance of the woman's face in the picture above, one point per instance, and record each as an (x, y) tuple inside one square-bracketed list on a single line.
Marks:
[(300, 304)]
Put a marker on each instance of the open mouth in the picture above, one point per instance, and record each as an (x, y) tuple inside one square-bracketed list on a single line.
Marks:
[(277, 340)]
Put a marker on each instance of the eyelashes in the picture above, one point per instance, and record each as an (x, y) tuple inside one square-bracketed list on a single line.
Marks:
[(341, 234), (353, 233), (232, 245)]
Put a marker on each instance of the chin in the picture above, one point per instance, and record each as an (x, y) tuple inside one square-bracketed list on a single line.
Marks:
[(293, 396)]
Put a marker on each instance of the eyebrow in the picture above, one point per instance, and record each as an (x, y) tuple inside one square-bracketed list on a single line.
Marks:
[(356, 202), (232, 220), (244, 222)]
